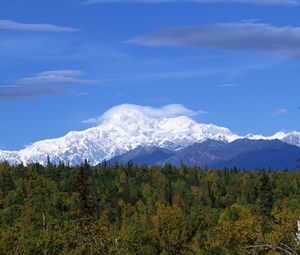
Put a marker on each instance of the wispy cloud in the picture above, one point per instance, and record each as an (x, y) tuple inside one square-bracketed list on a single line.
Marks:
[(259, 2), (56, 77), (228, 36), (228, 85), (186, 74), (202, 112), (280, 112), (13, 25), (174, 74), (44, 84), (11, 93)]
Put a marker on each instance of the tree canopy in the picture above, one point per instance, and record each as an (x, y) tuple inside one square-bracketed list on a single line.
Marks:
[(128, 209)]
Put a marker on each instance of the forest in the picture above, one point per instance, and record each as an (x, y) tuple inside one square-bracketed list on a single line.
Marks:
[(128, 209)]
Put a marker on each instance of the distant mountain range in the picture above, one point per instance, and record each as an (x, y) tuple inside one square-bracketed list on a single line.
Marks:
[(243, 153), (141, 133)]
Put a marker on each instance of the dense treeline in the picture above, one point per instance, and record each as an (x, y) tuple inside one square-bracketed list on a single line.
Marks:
[(58, 209)]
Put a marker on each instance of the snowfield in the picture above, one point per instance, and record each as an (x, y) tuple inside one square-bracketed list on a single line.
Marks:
[(126, 127)]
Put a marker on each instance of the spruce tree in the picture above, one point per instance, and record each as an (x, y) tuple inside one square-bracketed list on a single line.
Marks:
[(266, 200), (83, 188)]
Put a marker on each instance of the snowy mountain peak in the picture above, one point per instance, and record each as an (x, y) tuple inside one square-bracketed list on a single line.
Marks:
[(126, 127), (290, 138), (278, 135)]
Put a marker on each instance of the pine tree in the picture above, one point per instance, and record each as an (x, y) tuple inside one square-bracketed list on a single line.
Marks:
[(266, 200), (82, 186)]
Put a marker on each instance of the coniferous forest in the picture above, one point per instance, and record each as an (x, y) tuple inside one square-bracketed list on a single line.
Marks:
[(128, 209)]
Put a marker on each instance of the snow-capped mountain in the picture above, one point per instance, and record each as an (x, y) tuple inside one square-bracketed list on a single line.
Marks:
[(126, 127), (242, 153), (290, 138)]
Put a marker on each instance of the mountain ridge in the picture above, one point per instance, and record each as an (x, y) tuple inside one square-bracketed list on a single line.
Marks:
[(126, 127), (242, 153)]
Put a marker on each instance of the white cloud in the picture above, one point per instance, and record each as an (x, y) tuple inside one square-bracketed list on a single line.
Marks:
[(168, 111), (13, 25), (56, 77), (259, 2), (281, 111)]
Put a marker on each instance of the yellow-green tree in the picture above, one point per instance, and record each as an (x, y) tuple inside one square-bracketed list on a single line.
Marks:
[(238, 229), (283, 231), (170, 230)]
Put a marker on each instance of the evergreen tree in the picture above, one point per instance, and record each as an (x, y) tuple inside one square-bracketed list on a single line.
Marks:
[(129, 209), (83, 187), (266, 200)]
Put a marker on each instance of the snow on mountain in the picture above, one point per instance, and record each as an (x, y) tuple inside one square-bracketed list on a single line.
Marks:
[(290, 138), (121, 129), (126, 127), (279, 136)]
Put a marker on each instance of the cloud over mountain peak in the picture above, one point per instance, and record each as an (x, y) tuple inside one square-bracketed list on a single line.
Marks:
[(126, 127), (128, 110)]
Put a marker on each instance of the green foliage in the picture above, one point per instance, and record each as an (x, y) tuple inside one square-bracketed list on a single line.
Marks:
[(137, 210)]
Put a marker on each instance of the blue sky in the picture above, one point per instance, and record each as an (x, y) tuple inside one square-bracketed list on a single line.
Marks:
[(235, 62)]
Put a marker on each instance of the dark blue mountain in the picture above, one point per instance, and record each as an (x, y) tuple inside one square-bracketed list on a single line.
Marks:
[(267, 158), (244, 154), (143, 155)]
